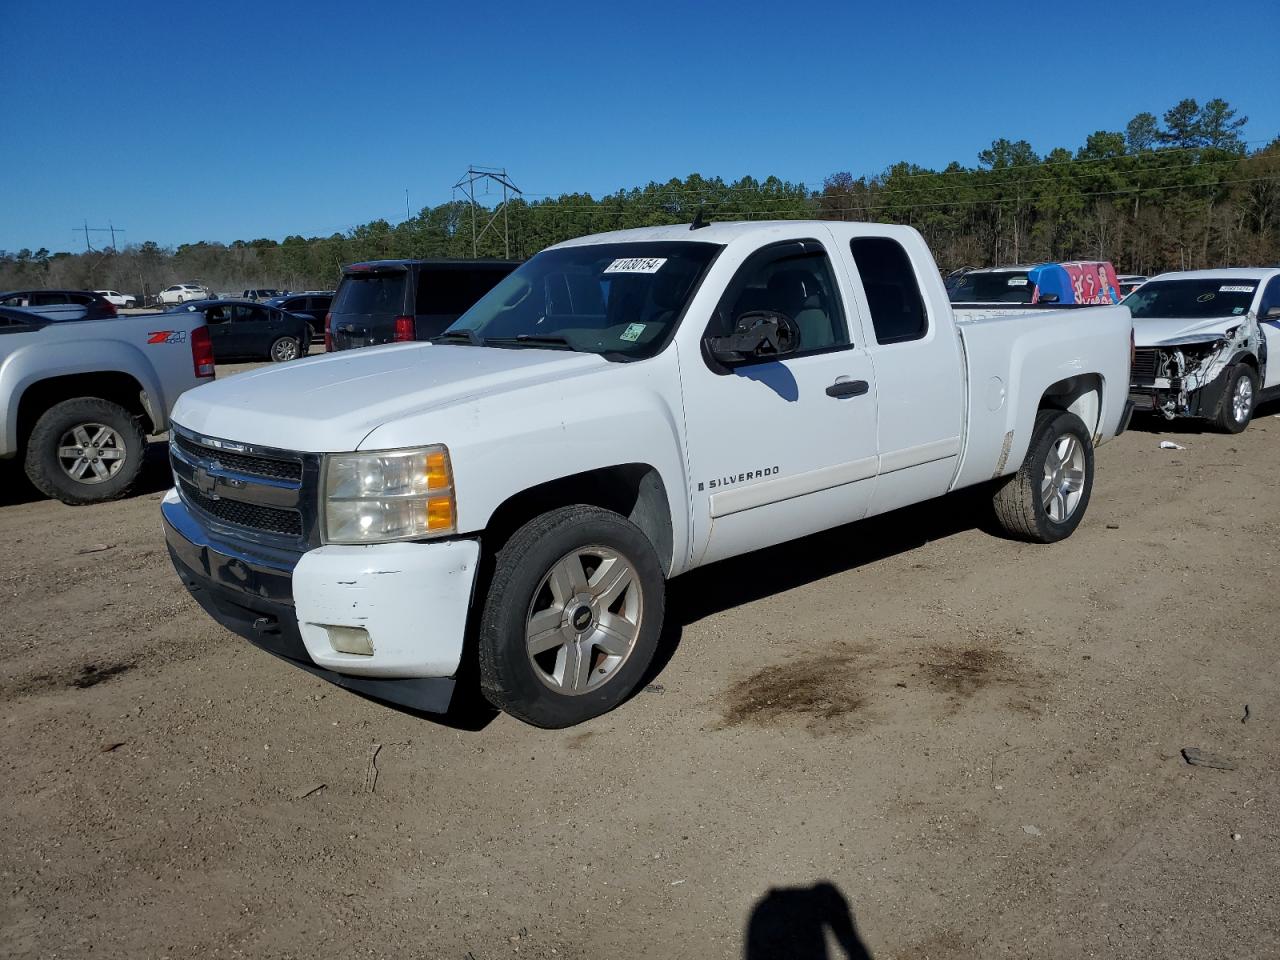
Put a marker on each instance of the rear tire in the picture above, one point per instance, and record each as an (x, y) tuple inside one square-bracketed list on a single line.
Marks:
[(1046, 499), (1238, 399), (572, 617), (285, 349), (110, 438)]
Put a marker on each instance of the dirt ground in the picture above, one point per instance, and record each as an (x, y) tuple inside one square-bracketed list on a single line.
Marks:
[(908, 738)]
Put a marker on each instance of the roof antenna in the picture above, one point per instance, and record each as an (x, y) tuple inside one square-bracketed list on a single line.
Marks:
[(699, 221)]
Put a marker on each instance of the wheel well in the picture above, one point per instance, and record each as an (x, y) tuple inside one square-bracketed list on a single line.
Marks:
[(1249, 360), (116, 387), (1081, 395), (634, 490)]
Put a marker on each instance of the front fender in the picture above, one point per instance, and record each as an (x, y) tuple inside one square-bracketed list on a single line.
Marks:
[(36, 362), (502, 445)]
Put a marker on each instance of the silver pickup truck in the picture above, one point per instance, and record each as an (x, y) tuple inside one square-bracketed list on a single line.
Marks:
[(78, 397)]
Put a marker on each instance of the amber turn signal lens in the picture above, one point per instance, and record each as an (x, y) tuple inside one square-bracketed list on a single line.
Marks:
[(437, 471), (440, 513)]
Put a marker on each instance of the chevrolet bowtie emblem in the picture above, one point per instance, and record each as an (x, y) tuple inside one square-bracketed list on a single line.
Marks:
[(206, 483)]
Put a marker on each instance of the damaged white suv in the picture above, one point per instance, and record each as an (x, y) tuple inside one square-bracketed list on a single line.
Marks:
[(1202, 340)]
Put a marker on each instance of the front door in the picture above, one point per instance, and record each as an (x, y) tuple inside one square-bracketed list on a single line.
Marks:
[(1271, 331), (781, 448)]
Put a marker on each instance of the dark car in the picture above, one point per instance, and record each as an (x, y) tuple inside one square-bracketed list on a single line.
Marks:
[(252, 331), (385, 301), (96, 306), (312, 306)]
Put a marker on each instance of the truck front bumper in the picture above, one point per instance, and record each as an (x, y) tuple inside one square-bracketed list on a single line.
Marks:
[(402, 606)]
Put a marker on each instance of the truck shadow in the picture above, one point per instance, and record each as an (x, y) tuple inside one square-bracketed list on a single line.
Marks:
[(800, 923), (16, 489), (730, 583)]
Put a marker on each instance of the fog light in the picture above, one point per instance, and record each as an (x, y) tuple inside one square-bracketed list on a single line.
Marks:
[(350, 640)]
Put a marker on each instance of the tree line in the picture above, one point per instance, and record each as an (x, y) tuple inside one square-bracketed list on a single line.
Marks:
[(1181, 191)]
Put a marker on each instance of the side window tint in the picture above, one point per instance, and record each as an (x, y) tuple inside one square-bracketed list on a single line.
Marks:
[(800, 285), (1270, 297), (444, 292), (893, 293)]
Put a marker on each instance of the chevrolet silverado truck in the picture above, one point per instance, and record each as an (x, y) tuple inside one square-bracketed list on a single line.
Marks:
[(509, 500), (1203, 338), (78, 396)]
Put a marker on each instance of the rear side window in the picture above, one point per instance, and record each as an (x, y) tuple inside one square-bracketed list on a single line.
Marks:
[(371, 293), (893, 294), (454, 292)]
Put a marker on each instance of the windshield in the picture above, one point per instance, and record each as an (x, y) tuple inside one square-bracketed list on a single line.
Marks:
[(1199, 299), (621, 300), (1004, 286)]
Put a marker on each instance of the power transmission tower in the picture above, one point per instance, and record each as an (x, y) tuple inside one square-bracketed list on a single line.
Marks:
[(467, 184), (110, 228)]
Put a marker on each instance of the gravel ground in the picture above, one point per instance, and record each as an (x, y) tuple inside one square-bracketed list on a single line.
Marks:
[(907, 738)]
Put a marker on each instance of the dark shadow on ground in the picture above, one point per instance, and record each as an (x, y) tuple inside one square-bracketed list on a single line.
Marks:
[(709, 590), (796, 923), (16, 489)]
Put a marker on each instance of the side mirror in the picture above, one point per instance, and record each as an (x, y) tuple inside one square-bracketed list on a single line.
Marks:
[(1273, 313), (759, 335), (1048, 298)]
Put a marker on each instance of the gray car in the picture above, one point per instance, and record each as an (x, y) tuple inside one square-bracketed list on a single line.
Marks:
[(78, 397)]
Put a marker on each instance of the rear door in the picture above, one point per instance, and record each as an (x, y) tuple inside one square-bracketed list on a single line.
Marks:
[(444, 293), (252, 329), (918, 370), (218, 319), (366, 306)]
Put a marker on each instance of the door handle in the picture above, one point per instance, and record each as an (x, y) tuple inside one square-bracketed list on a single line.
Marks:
[(848, 388)]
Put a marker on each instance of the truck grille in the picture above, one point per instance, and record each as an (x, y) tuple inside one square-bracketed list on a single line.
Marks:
[(1144, 365), (270, 467), (286, 523), (252, 493)]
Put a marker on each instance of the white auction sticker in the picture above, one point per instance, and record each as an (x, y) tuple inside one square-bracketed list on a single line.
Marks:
[(1017, 281), (636, 265), (1236, 288)]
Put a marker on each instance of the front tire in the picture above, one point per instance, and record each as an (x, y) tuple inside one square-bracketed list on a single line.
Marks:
[(572, 617), (1046, 499), (85, 450), (1238, 399)]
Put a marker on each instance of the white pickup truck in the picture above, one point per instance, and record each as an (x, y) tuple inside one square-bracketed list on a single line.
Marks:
[(511, 498)]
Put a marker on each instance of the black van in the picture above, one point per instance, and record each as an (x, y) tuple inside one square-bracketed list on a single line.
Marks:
[(385, 301)]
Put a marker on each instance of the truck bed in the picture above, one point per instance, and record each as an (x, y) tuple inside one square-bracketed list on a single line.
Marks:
[(1003, 348)]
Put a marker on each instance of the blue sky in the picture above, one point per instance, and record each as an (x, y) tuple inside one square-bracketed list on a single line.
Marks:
[(223, 121)]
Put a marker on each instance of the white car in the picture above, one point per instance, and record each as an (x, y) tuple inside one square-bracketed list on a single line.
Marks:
[(117, 298), (621, 409), (1207, 343), (182, 292)]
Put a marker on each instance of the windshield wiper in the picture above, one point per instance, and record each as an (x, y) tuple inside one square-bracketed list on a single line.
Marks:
[(533, 339), (465, 335)]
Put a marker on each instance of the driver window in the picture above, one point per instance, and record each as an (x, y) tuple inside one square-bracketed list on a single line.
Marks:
[(799, 285), (1270, 298)]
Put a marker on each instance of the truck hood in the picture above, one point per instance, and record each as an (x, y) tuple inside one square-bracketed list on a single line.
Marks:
[(332, 402), (1156, 331)]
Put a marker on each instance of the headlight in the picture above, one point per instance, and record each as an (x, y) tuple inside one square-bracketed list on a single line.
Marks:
[(388, 495)]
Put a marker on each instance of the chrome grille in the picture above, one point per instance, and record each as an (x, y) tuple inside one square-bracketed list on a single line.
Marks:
[(271, 467), (286, 523), (249, 492)]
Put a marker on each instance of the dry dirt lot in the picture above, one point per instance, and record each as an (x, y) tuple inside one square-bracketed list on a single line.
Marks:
[(904, 739)]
